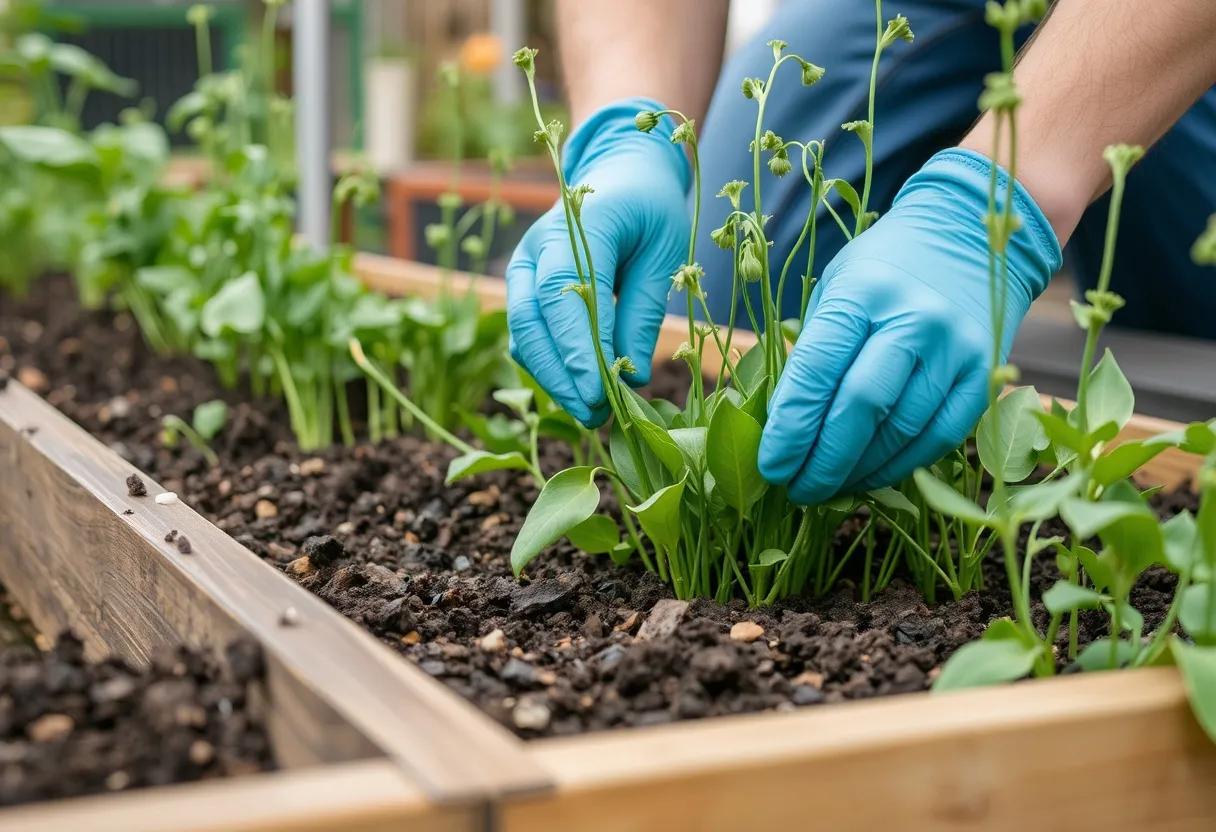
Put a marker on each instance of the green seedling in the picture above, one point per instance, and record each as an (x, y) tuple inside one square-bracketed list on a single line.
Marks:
[(206, 423)]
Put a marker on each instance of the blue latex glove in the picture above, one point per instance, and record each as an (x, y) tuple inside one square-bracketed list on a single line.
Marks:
[(891, 370), (637, 227)]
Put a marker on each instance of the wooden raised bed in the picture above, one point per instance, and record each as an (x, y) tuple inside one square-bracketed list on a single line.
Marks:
[(369, 742), (339, 700), (1116, 751)]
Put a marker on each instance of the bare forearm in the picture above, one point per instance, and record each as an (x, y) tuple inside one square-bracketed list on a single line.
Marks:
[(1101, 72), (670, 51)]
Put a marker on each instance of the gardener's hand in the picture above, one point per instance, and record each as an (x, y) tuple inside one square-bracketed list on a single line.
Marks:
[(637, 227), (891, 370)]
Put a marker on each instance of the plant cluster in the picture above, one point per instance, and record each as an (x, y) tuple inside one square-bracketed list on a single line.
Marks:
[(217, 272), (696, 511)]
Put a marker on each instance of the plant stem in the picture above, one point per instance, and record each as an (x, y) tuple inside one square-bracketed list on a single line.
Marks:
[(859, 225), (378, 376)]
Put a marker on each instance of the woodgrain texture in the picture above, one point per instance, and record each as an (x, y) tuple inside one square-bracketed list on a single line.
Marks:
[(76, 560), (370, 796), (1104, 751)]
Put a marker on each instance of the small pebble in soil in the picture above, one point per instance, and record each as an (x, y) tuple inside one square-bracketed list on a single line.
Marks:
[(34, 379), (265, 510), (461, 564), (807, 695), (411, 638), (183, 544), (50, 728), (290, 617), (136, 487), (531, 715), (494, 641), (301, 566), (746, 632), (664, 619)]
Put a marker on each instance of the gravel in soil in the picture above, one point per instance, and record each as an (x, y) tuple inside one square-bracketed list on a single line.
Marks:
[(580, 645), (71, 727)]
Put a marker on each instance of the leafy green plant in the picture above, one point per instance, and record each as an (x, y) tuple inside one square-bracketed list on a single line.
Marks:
[(696, 509), (446, 353), (1088, 482)]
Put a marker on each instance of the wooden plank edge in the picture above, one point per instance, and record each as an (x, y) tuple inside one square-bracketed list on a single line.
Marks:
[(367, 796), (1110, 751), (455, 752)]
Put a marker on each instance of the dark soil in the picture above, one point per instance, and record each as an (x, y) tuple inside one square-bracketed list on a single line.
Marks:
[(71, 727), (376, 533)]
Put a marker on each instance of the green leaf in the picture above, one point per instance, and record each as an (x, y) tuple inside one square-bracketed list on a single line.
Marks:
[(1109, 397), (1042, 500), (1096, 655), (660, 515), (1193, 613), (894, 500), (1199, 438), (749, 370), (772, 557), (666, 410), (1063, 434), (848, 193), (518, 399), (1180, 537), (662, 446), (481, 462), (47, 146), (595, 535), (691, 442), (164, 279), (567, 499), (209, 418), (1067, 597), (621, 553), (1098, 568), (1000, 656), (732, 450), (945, 499), (1123, 461), (1010, 435), (1198, 666), (625, 465), (239, 306)]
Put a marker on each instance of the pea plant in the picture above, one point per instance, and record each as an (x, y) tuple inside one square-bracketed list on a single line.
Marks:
[(695, 509), (1113, 536)]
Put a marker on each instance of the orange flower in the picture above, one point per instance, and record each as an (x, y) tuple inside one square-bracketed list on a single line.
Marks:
[(481, 53)]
